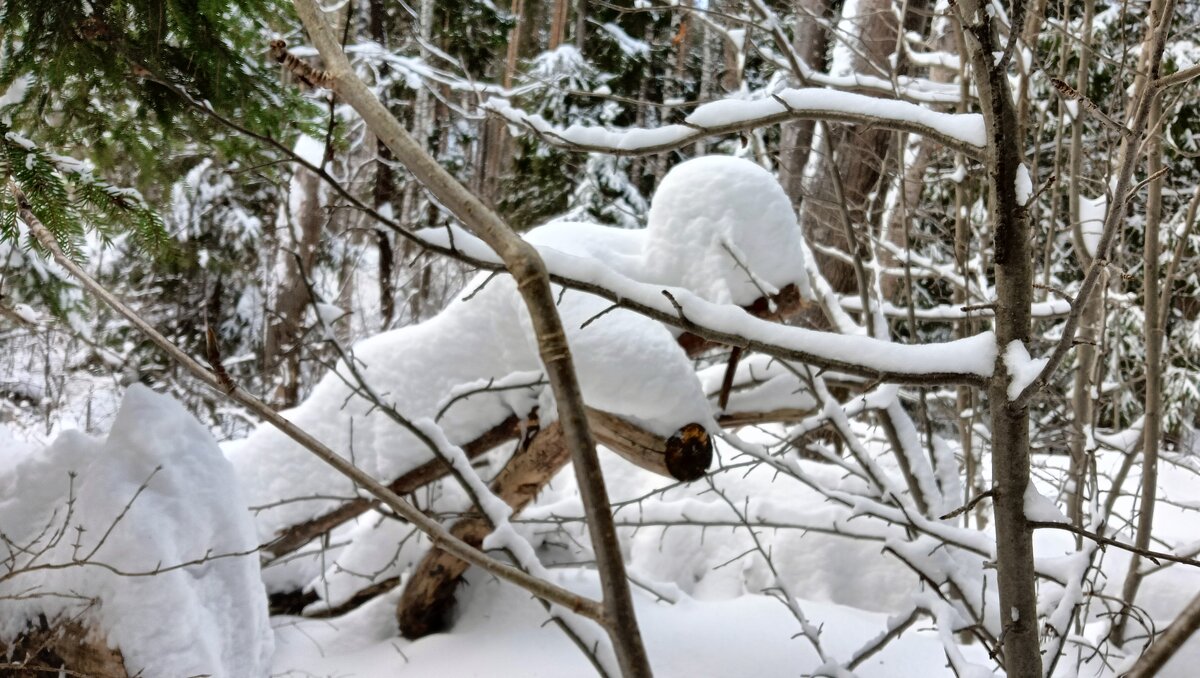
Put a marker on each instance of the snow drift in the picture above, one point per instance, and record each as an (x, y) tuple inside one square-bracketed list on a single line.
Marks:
[(85, 520)]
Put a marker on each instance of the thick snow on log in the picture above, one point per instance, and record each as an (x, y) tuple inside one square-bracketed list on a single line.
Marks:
[(85, 520), (719, 226)]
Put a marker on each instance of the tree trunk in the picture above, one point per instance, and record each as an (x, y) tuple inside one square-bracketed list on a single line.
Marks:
[(861, 153), (299, 237), (795, 144), (1153, 336), (1014, 294)]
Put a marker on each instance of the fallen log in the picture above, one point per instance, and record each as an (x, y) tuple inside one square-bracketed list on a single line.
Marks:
[(296, 536), (641, 448), (428, 597), (66, 649), (685, 456)]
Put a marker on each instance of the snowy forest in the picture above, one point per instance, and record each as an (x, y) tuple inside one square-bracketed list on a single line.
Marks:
[(599, 337)]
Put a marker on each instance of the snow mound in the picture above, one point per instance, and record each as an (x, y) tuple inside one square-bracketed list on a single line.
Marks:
[(723, 228), (84, 516)]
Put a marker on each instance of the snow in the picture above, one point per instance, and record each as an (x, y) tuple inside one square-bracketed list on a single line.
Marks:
[(694, 228), (1022, 369), (25, 312), (628, 45), (1023, 185), (1040, 508), (1092, 213), (700, 237), (188, 509), (970, 356), (501, 634)]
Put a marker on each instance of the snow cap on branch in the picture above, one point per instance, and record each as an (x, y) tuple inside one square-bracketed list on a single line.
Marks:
[(724, 228)]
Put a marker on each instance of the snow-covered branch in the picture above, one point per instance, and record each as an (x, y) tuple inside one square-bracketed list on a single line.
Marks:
[(961, 132)]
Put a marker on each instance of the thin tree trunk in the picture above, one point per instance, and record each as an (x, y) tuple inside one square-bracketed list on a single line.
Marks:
[(285, 319), (795, 144), (558, 23), (533, 282), (1082, 403), (861, 153), (1153, 336), (1014, 294)]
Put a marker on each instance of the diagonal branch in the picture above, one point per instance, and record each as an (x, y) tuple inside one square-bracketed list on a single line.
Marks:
[(527, 269), (438, 534)]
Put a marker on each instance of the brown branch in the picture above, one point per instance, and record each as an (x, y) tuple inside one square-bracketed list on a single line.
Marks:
[(529, 272), (636, 445), (1152, 556), (1071, 94), (1171, 641)]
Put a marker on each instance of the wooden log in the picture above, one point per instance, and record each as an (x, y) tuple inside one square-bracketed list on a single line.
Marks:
[(639, 447), (685, 456), (296, 536), (61, 649), (428, 597)]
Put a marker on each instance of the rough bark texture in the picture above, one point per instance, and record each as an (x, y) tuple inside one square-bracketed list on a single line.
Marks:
[(61, 649), (861, 153), (1153, 337), (428, 596), (1014, 294), (795, 144)]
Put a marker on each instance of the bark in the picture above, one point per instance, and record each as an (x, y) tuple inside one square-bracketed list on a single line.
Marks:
[(795, 145), (61, 649), (296, 536), (684, 456), (1014, 294), (678, 457), (285, 320), (385, 192), (860, 157), (1171, 641), (428, 596), (1082, 403), (558, 23), (580, 24)]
